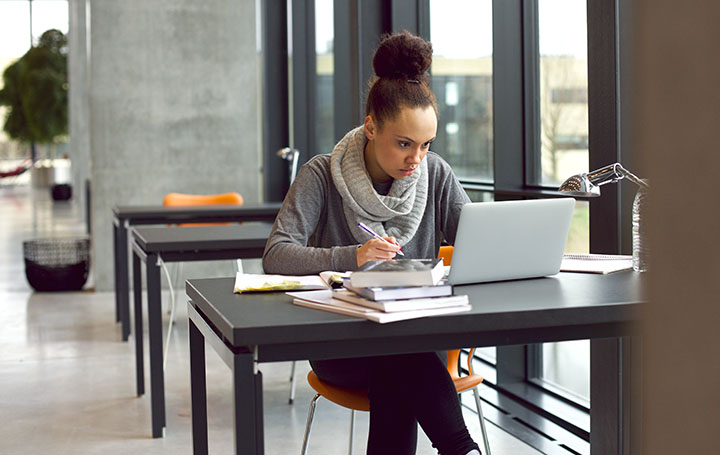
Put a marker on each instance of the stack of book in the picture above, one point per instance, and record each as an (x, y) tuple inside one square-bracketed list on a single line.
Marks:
[(388, 291)]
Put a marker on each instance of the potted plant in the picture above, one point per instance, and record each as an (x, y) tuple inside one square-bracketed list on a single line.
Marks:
[(36, 93)]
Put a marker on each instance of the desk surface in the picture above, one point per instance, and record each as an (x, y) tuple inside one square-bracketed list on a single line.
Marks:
[(158, 214), (566, 306), (162, 239)]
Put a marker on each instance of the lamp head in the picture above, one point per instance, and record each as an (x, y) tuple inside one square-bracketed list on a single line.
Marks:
[(580, 185), (588, 184)]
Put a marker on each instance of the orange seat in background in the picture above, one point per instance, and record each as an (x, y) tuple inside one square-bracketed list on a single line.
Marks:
[(180, 199)]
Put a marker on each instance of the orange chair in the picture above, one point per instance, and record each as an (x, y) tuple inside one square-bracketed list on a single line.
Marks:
[(357, 399), (180, 199), (445, 253)]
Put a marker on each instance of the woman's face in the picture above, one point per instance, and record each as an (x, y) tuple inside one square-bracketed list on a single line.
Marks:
[(396, 150)]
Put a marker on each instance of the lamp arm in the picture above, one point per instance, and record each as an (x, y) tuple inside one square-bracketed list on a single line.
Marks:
[(613, 173), (632, 177)]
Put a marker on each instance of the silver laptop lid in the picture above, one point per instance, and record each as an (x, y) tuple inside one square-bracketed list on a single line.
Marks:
[(510, 240)]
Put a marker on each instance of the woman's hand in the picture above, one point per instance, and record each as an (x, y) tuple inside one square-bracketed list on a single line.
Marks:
[(377, 250)]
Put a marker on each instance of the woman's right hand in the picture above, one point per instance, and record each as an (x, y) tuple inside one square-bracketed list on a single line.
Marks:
[(377, 250)]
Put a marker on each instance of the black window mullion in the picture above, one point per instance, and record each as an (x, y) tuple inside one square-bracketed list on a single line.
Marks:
[(531, 88), (508, 108), (275, 98), (603, 131), (304, 78)]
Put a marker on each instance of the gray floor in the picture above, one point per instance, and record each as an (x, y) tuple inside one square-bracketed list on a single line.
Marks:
[(67, 381)]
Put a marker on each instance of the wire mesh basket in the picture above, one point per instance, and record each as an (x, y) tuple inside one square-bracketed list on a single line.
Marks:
[(60, 264)]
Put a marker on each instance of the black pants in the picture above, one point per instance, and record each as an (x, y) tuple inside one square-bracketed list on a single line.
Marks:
[(404, 390)]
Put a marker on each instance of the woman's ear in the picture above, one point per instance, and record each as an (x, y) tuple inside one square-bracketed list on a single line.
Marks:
[(370, 128)]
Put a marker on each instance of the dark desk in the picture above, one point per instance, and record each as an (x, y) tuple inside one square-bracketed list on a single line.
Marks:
[(179, 244), (252, 328), (126, 216)]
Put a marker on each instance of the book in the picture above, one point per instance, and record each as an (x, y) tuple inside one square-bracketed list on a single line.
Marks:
[(441, 289), (323, 300), (398, 272), (595, 263), (251, 282), (391, 306)]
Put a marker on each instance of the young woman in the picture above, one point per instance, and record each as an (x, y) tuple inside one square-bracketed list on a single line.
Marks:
[(384, 175)]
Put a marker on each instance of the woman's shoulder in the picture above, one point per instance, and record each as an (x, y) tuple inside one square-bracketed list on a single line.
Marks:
[(318, 165), (436, 163)]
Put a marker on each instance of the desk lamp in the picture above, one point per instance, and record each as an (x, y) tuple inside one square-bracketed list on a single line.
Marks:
[(588, 185)]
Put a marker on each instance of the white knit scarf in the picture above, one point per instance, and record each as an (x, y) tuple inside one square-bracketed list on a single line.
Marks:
[(398, 214)]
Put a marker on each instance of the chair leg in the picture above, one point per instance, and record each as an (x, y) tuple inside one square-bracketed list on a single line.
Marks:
[(478, 405), (308, 424), (293, 381), (352, 431)]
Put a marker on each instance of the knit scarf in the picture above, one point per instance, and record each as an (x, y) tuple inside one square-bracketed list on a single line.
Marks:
[(398, 214)]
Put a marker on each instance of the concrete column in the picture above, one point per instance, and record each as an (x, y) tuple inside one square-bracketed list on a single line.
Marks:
[(172, 107)]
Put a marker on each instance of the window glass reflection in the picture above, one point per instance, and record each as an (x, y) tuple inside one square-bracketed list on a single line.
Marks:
[(563, 89), (462, 82)]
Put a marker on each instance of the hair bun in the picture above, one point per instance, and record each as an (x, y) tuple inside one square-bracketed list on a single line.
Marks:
[(402, 56)]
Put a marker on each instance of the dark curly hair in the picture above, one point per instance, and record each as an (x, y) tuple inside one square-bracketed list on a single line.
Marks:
[(401, 62)]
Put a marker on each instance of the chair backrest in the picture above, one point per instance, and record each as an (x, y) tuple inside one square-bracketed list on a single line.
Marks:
[(173, 199), (180, 199), (445, 254)]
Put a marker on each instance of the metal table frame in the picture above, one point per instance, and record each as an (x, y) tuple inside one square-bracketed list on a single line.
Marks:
[(126, 216), (174, 244)]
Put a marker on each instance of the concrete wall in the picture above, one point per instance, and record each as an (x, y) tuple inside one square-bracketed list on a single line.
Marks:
[(172, 107)]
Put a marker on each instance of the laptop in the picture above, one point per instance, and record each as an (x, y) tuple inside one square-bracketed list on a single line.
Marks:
[(510, 240)]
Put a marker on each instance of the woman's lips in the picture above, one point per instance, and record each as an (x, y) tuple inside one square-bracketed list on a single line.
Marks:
[(407, 172)]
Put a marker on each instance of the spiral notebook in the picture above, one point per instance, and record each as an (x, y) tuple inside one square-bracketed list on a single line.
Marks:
[(595, 263)]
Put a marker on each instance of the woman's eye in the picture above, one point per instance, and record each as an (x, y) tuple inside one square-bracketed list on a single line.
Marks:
[(404, 144), (427, 144)]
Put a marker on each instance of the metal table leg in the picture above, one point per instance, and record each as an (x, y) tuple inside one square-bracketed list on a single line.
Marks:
[(157, 379), (122, 289), (116, 259), (247, 401), (139, 360), (198, 391)]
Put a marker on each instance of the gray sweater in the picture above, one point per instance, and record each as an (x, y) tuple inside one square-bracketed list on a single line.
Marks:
[(311, 234)]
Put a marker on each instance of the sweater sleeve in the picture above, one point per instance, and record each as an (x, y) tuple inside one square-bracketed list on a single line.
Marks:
[(452, 197), (287, 251)]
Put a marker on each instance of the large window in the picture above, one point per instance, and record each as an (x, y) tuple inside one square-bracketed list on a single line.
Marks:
[(462, 82), (517, 85)]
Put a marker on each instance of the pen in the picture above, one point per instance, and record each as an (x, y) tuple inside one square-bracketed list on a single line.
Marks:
[(371, 232)]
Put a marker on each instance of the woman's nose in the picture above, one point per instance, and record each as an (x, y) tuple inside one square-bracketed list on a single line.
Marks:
[(415, 156)]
